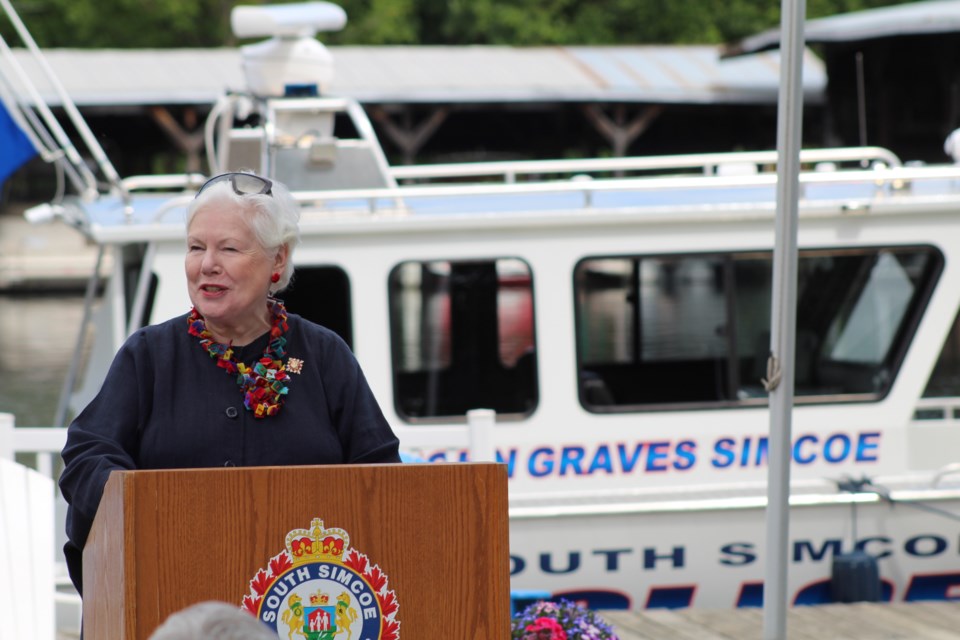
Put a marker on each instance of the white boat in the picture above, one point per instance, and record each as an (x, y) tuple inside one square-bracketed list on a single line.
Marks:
[(613, 315)]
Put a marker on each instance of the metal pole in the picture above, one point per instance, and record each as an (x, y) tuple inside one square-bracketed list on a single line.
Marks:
[(481, 423), (861, 100), (780, 367), (60, 418)]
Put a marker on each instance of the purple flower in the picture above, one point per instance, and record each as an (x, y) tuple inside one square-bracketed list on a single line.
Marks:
[(561, 617)]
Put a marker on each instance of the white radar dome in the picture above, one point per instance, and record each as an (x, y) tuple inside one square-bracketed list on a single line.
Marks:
[(304, 19), (291, 61)]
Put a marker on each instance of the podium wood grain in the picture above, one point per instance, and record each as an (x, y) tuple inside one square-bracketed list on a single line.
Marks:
[(163, 540)]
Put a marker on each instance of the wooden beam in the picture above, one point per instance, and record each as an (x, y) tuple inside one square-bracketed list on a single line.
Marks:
[(187, 138), (617, 130), (409, 136)]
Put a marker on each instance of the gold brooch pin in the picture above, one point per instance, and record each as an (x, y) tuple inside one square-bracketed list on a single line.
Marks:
[(295, 365)]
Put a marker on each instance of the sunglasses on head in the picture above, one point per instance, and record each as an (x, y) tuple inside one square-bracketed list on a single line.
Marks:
[(244, 184)]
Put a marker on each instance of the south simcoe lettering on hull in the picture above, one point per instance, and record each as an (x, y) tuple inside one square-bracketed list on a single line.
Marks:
[(656, 565)]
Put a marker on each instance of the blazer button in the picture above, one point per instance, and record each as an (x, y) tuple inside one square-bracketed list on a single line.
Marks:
[(229, 463), (232, 412)]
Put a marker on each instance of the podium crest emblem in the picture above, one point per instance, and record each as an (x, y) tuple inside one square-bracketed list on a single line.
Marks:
[(321, 588)]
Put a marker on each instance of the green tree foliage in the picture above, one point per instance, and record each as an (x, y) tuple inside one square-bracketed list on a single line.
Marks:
[(205, 23), (126, 23)]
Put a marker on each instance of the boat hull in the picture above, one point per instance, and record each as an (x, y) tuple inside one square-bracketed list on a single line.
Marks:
[(712, 555)]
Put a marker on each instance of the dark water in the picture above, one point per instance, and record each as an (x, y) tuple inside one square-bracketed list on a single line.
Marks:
[(37, 337)]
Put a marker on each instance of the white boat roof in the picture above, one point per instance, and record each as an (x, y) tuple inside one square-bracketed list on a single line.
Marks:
[(438, 74), (909, 19)]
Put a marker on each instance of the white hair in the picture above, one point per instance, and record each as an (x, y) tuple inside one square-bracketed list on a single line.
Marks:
[(274, 219), (208, 620)]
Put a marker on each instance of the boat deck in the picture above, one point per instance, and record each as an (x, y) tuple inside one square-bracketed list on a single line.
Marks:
[(858, 621)]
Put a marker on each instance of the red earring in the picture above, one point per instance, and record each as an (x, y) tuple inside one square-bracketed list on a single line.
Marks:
[(275, 278)]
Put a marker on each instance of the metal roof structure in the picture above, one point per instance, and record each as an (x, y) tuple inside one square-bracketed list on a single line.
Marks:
[(435, 74), (912, 18)]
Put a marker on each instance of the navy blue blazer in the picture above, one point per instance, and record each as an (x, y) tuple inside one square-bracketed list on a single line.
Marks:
[(166, 405)]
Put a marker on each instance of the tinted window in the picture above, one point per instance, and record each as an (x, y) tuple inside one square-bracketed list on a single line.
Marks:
[(462, 336), (666, 330), (945, 380), (322, 295)]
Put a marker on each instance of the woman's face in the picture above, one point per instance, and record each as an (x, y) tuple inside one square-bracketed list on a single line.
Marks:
[(228, 272)]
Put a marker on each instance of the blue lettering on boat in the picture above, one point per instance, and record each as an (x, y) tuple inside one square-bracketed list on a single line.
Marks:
[(664, 456)]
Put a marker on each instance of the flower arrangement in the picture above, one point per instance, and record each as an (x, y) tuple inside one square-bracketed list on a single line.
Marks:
[(561, 620)]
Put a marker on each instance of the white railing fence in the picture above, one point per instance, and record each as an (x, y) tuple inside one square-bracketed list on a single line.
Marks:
[(34, 510)]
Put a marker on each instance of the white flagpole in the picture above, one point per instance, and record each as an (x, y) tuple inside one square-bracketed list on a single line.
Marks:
[(780, 367)]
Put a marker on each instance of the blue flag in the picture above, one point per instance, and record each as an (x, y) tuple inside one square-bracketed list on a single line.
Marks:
[(15, 147)]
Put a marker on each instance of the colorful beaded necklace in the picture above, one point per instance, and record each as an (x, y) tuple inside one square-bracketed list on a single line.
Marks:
[(264, 384)]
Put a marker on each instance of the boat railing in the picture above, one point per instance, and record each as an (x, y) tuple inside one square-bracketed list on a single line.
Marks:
[(879, 182), (38, 122), (42, 443), (38, 448), (745, 162), (164, 182), (877, 172)]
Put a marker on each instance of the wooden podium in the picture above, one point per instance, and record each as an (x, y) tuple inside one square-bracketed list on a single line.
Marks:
[(163, 540)]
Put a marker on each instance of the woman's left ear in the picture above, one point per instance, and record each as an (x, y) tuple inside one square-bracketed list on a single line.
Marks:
[(280, 261)]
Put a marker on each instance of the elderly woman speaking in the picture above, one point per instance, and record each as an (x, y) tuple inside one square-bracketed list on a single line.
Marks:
[(237, 381)]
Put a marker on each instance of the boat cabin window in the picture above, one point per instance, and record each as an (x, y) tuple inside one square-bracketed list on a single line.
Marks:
[(662, 331), (321, 294), (462, 336), (944, 382)]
